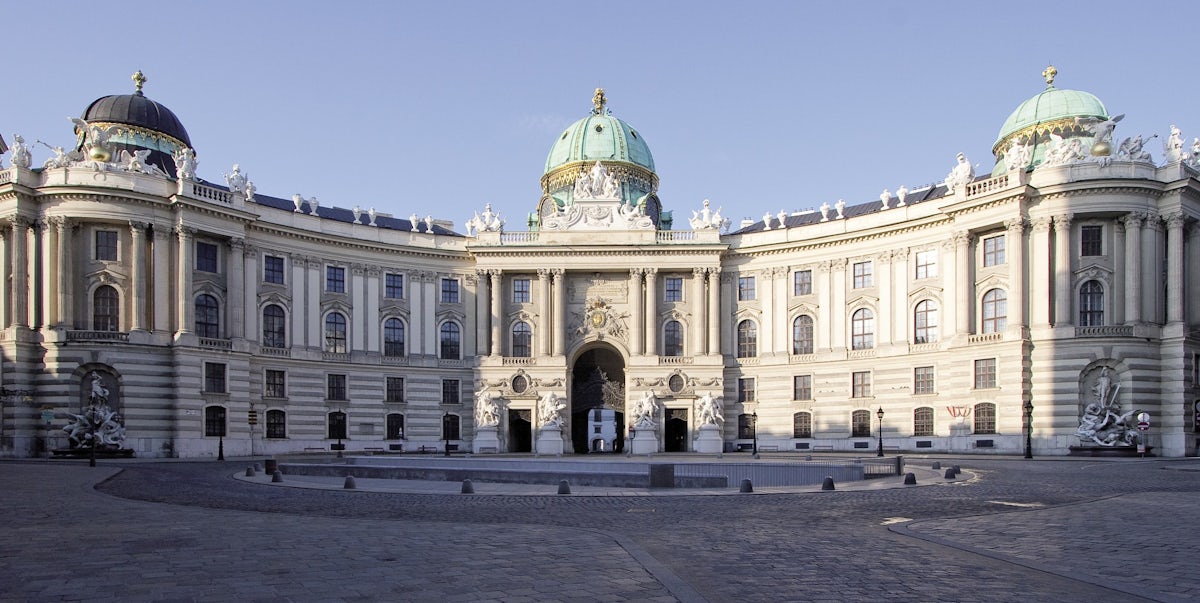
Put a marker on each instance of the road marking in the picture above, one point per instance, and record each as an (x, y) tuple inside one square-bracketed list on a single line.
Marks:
[(1016, 504), (887, 521)]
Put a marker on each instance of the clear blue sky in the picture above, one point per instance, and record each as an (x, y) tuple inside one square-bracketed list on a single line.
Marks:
[(439, 107)]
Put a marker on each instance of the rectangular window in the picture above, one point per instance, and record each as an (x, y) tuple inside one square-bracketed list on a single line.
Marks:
[(214, 421), (864, 273), (214, 378), (520, 288), (206, 257), (335, 279), (393, 285), (335, 387), (449, 291), (926, 264), (395, 389), (802, 387), (985, 373), (993, 250), (106, 245), (673, 289), (923, 422), (802, 282), (985, 418), (450, 393), (923, 380), (746, 288), (274, 384), (746, 389), (802, 425), (276, 424), (861, 384), (273, 269), (1090, 240)]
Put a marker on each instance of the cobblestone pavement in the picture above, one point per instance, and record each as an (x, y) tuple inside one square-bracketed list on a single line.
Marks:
[(1041, 530)]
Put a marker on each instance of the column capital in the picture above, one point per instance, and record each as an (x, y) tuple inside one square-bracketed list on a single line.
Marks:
[(651, 272), (237, 244), (1040, 224), (1063, 221), (185, 232), (1015, 225), (1173, 219), (58, 222), (137, 227), (543, 273), (19, 221), (374, 270), (839, 263), (1133, 219)]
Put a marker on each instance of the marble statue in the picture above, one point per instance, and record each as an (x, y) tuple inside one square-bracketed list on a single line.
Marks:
[(61, 157), (825, 211), (250, 189), (1101, 130), (1103, 423), (313, 206), (781, 216), (1173, 147), (961, 175), (1062, 151), (185, 163), (298, 201), (236, 180), (840, 206), (884, 197), (901, 194), (20, 153), (1018, 156), (428, 223), (414, 220), (709, 410), (136, 162), (95, 140), (99, 393), (1131, 149), (706, 218), (357, 211), (597, 182), (487, 412), (645, 410), (98, 425), (550, 408), (371, 214), (767, 221)]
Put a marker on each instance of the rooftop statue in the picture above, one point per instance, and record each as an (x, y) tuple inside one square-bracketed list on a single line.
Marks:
[(1173, 147), (597, 183), (961, 175), (884, 197), (1101, 130), (901, 194), (1131, 149), (1063, 151), (706, 218), (94, 139), (236, 180), (185, 163), (20, 152), (1018, 156), (840, 206)]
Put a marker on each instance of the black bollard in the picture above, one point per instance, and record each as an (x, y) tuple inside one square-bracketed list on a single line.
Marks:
[(249, 471), (957, 470), (564, 487), (257, 467), (277, 477), (937, 466), (349, 485), (808, 457), (747, 486), (468, 487), (910, 479), (828, 483), (950, 473)]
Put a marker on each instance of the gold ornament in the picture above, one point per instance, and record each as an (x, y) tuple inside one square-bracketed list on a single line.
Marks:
[(1049, 73)]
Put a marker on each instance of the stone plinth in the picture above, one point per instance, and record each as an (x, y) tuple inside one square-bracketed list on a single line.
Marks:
[(486, 441), (708, 441), (549, 441), (645, 440)]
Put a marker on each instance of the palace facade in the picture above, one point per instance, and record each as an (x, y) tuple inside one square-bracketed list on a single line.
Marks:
[(984, 314)]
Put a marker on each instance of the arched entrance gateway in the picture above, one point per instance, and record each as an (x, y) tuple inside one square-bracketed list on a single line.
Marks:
[(598, 401)]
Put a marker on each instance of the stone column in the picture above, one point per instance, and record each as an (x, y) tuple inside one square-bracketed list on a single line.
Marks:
[(636, 301), (1175, 276), (1039, 273), (823, 287), (883, 330), (314, 281), (1133, 268), (965, 295), (838, 304), (20, 271), (184, 320), (558, 325), (250, 293), (47, 289), (1190, 263), (137, 273), (483, 305), (5, 277), (651, 313), (1016, 275), (162, 273), (1153, 243), (713, 311), (699, 315), (357, 318), (237, 289), (1063, 300), (497, 290), (296, 336), (371, 323), (542, 329), (63, 285)]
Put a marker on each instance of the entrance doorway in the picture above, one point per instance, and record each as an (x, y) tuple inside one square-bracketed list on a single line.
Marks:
[(598, 384), (520, 431), (675, 430)]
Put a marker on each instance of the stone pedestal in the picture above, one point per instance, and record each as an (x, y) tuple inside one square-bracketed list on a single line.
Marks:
[(486, 441), (549, 441), (709, 440), (645, 440)]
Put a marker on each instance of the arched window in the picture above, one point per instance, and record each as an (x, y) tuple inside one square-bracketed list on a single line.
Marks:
[(337, 425), (923, 421), (862, 329), (522, 340), (925, 322), (106, 309), (1091, 304), (393, 337), (274, 327), (672, 338), (214, 421), (395, 426), (995, 311), (450, 341), (208, 316), (860, 424), (450, 427), (985, 417), (747, 339), (335, 333), (802, 425), (746, 426), (802, 335), (276, 424)]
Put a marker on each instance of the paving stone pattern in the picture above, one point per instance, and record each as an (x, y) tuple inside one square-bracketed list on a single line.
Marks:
[(1011, 529)]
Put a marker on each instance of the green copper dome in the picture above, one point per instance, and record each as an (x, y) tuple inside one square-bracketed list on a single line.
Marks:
[(1049, 112), (602, 137)]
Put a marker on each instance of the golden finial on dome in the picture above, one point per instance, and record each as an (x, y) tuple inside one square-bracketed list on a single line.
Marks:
[(139, 80), (598, 101), (1049, 72)]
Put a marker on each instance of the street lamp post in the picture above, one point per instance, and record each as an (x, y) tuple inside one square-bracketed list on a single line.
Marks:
[(754, 425), (879, 414), (1028, 429), (446, 431)]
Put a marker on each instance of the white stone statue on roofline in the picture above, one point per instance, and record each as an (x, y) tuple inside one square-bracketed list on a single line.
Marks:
[(236, 180), (1173, 147), (706, 218), (597, 183), (884, 198), (250, 189), (961, 174), (185, 163), (901, 195), (20, 153), (1018, 156), (1131, 149), (1063, 151), (1101, 130), (840, 206), (825, 211)]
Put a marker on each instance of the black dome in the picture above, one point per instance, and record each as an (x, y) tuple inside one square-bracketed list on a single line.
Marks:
[(136, 110)]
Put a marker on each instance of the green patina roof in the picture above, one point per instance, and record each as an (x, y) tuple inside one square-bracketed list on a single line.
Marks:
[(600, 137), (1049, 105)]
